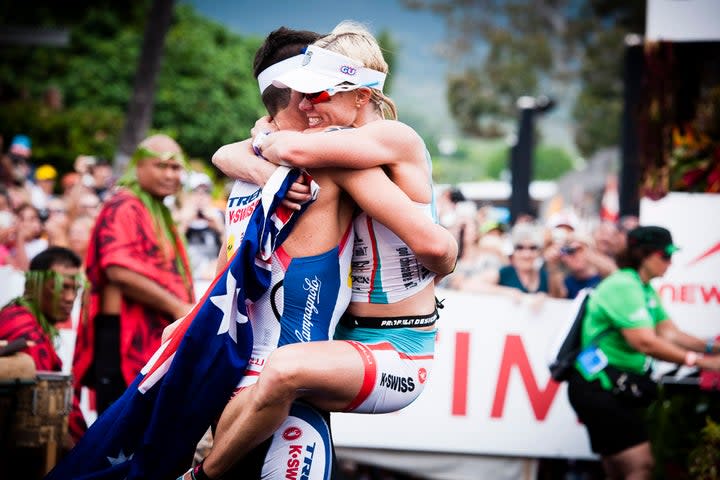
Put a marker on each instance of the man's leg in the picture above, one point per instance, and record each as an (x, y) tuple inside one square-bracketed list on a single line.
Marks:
[(329, 374)]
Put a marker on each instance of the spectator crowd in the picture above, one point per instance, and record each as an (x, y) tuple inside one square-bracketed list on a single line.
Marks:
[(533, 258), (41, 207)]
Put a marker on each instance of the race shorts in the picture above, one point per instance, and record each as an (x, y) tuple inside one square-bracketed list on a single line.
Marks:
[(301, 449), (397, 364)]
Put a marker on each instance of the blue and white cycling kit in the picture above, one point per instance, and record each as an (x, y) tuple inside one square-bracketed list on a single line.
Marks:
[(306, 298)]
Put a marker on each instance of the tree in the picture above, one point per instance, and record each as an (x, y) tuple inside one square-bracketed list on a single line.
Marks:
[(500, 51), (206, 95), (140, 109), (389, 48)]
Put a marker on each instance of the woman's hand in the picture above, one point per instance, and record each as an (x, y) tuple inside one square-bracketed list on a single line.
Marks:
[(709, 362), (263, 125)]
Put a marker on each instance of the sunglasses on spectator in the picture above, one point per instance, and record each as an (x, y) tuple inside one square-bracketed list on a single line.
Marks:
[(568, 250), (326, 95), (533, 248)]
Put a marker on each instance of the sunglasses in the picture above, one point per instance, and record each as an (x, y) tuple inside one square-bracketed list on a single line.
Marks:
[(532, 248), (326, 95), (569, 250)]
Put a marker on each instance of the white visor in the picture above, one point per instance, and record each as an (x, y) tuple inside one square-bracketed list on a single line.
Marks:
[(322, 69), (266, 77)]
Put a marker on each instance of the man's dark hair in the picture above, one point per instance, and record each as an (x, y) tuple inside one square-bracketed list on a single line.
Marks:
[(54, 256), (279, 45)]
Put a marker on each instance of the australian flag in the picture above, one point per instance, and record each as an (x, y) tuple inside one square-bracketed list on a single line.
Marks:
[(152, 430)]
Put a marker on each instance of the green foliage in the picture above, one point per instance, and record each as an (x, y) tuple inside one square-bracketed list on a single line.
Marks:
[(704, 459), (684, 434), (206, 95), (389, 49), (550, 162), (206, 88), (598, 109), (476, 160), (500, 51)]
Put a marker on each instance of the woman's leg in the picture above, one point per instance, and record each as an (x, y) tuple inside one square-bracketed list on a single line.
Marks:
[(634, 463), (329, 374)]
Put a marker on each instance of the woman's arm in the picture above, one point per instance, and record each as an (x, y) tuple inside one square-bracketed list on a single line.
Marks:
[(682, 348), (380, 198), (239, 161), (382, 142), (670, 332)]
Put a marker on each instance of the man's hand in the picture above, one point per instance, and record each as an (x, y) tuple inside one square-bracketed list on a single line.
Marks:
[(298, 194), (167, 331)]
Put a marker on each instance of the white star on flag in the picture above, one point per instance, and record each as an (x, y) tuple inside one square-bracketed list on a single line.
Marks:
[(121, 458), (228, 306)]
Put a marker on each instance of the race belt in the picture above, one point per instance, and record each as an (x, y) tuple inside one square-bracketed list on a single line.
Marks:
[(351, 321)]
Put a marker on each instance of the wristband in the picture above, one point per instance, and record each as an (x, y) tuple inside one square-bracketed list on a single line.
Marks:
[(257, 143), (709, 346), (691, 358)]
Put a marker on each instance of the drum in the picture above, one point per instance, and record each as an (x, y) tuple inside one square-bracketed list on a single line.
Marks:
[(36, 411)]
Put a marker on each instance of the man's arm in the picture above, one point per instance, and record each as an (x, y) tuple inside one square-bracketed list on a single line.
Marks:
[(382, 142), (379, 197), (143, 290)]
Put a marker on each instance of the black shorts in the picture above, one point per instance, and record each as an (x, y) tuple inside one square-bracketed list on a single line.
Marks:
[(612, 426)]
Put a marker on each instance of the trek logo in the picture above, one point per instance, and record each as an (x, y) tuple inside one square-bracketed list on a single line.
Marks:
[(240, 208), (292, 433), (240, 201), (312, 286), (348, 70), (399, 384), (293, 463)]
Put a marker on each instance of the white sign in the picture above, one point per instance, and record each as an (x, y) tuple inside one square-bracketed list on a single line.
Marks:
[(683, 20), (690, 290), (490, 391)]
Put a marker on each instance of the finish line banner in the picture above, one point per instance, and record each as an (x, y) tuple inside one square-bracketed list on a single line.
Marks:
[(490, 391)]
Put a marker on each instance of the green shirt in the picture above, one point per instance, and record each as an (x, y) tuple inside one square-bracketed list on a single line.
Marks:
[(622, 301)]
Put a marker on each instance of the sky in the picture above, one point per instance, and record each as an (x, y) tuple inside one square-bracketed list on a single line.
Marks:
[(419, 72)]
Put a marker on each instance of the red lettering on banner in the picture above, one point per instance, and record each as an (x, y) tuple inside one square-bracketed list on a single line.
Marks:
[(690, 293), (711, 295), (460, 375), (540, 400)]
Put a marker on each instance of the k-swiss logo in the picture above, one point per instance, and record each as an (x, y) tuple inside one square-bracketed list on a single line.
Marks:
[(292, 433), (348, 70), (399, 384), (422, 375)]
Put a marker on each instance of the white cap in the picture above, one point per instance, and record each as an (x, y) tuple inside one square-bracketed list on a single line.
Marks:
[(266, 77), (322, 69), (197, 179)]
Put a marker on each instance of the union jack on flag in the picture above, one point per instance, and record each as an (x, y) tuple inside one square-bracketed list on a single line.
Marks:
[(152, 430)]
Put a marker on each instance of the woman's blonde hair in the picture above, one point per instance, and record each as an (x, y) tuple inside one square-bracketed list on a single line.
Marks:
[(353, 40)]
